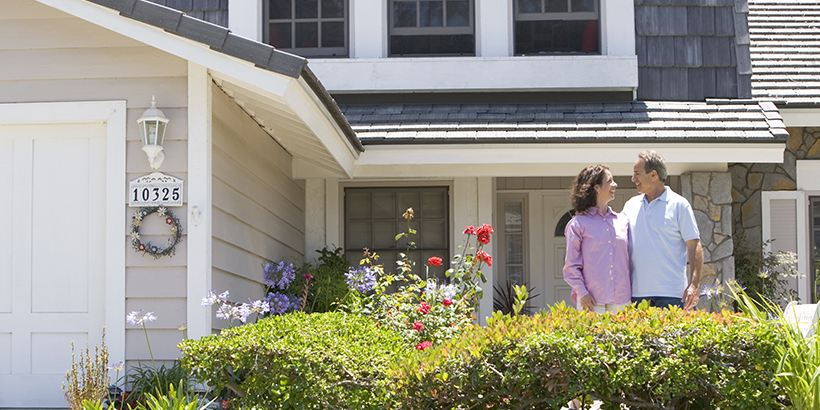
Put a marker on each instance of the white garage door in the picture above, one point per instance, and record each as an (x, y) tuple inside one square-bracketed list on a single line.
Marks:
[(52, 254)]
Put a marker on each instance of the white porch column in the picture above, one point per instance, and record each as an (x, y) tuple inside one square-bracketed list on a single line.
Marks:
[(199, 200), (333, 206), (473, 205), (315, 217), (494, 28), (245, 18), (368, 28)]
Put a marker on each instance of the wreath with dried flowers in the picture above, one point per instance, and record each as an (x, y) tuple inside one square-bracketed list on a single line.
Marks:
[(149, 248)]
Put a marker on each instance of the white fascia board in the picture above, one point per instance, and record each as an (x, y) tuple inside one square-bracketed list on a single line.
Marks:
[(551, 159), (801, 117), (179, 46), (313, 113), (531, 73)]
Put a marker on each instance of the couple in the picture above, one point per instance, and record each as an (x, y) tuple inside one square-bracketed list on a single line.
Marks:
[(648, 242)]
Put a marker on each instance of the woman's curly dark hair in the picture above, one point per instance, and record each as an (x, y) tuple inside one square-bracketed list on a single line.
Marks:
[(582, 192)]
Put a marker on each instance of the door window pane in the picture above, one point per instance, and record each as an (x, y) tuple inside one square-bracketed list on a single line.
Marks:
[(434, 204), (515, 249), (385, 235), (515, 274), (358, 205), (360, 235), (433, 234), (512, 216)]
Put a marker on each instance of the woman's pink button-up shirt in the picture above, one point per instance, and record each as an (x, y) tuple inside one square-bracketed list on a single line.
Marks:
[(597, 261)]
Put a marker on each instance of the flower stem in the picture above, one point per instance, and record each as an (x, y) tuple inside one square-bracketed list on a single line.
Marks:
[(156, 374)]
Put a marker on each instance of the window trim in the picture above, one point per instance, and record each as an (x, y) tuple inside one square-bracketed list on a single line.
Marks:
[(560, 16), (325, 52)]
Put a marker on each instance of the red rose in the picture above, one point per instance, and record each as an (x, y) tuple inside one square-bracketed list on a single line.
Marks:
[(418, 326), (484, 257), (423, 345), (446, 302), (424, 308), (452, 324), (434, 261), (469, 230), (483, 234)]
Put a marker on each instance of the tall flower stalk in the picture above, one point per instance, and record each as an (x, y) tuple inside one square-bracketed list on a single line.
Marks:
[(139, 318)]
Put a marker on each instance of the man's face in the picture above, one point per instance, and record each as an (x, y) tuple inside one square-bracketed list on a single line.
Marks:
[(641, 179)]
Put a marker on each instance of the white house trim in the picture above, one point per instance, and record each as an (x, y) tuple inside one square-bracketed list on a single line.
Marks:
[(800, 117), (807, 175), (245, 18), (113, 115), (549, 159), (800, 198), (531, 73), (200, 200)]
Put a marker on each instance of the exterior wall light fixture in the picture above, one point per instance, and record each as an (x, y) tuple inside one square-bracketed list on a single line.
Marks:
[(152, 129)]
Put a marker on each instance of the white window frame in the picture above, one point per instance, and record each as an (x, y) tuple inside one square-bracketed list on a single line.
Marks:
[(330, 52), (803, 240), (562, 16)]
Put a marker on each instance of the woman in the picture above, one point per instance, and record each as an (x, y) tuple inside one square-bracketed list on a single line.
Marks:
[(597, 261)]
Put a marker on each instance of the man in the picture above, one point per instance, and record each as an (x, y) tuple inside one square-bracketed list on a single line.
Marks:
[(662, 233)]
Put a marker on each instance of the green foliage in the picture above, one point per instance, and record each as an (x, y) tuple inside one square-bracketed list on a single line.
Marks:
[(798, 369), (145, 380), (764, 274), (512, 298), (300, 361), (328, 286), (640, 357), (93, 405), (87, 381), (173, 399)]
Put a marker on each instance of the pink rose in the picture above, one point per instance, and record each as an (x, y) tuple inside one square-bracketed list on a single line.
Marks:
[(434, 261), (418, 326), (423, 345)]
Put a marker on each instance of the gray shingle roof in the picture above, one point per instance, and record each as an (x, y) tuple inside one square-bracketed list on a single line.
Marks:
[(785, 50), (710, 121), (690, 50)]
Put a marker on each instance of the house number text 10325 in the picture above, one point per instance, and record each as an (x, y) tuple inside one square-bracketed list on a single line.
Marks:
[(156, 189)]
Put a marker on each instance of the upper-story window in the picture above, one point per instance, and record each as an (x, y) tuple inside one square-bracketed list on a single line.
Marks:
[(431, 27), (309, 28), (556, 26)]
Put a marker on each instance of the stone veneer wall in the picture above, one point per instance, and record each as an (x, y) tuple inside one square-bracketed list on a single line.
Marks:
[(749, 180), (711, 199)]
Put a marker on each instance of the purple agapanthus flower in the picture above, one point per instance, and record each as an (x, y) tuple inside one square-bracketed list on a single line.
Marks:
[(448, 291), (279, 275), (362, 279), (279, 303), (139, 318)]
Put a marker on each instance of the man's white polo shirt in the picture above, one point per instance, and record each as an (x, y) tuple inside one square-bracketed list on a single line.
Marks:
[(658, 232)]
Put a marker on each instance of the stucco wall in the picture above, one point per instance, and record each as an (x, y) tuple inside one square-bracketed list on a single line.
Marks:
[(258, 209), (49, 56)]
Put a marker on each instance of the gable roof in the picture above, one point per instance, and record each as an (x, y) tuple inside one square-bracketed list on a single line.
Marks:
[(785, 51), (216, 39), (721, 121)]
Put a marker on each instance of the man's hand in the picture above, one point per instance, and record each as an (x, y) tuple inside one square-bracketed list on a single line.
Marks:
[(691, 296), (588, 303)]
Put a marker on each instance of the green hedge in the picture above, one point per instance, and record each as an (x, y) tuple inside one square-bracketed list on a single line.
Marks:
[(644, 358), (641, 357), (301, 361)]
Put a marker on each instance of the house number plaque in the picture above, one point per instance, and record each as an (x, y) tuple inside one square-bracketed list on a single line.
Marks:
[(155, 189)]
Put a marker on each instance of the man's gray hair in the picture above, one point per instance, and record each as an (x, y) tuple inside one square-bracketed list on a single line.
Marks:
[(653, 162)]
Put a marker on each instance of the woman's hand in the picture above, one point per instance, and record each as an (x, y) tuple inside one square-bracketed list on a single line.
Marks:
[(588, 303)]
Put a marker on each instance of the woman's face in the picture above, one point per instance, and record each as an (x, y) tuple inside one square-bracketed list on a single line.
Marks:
[(606, 190)]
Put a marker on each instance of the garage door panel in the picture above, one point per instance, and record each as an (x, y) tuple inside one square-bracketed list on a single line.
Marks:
[(51, 352), (6, 180), (60, 232)]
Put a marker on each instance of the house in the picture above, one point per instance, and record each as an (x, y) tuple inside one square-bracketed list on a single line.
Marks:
[(780, 201), (471, 111)]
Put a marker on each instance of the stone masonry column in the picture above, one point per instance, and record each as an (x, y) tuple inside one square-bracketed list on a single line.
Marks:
[(710, 194)]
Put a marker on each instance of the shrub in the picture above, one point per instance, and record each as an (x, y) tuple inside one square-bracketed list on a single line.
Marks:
[(328, 285), (300, 361), (641, 357), (87, 381), (764, 274)]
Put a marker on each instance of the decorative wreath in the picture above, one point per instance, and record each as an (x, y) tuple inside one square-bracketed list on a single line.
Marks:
[(154, 250)]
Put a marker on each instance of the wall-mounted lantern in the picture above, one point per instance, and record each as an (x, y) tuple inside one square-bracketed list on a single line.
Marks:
[(152, 129)]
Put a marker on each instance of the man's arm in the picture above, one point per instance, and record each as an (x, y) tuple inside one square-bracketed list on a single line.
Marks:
[(692, 294)]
